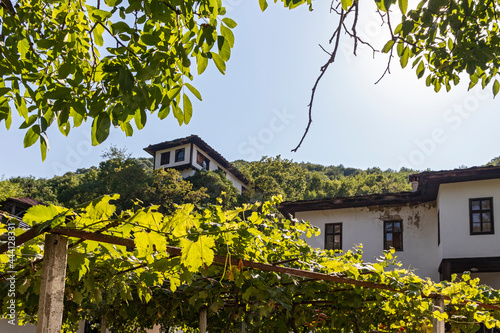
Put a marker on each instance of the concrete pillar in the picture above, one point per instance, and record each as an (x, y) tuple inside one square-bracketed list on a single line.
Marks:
[(103, 324), (155, 329), (51, 303), (438, 325), (203, 320), (243, 327)]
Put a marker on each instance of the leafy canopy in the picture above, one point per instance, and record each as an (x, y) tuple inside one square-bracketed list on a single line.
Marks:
[(136, 288), (114, 63), (110, 62)]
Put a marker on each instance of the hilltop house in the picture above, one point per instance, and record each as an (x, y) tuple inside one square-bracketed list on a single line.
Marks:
[(444, 226), (192, 153)]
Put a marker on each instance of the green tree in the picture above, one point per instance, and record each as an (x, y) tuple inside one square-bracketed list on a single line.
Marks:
[(120, 173), (168, 189), (495, 161), (275, 176), (219, 189), (9, 189)]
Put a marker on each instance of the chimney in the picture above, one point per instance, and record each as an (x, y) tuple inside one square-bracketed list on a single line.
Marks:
[(414, 181)]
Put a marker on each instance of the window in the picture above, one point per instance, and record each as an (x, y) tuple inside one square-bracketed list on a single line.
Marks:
[(481, 216), (333, 236), (165, 158), (203, 161), (393, 235), (179, 155)]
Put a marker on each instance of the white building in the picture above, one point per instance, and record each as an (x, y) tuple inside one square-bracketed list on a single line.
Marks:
[(192, 153), (445, 226)]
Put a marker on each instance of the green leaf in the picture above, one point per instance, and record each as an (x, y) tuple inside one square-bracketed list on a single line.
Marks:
[(193, 91), (21, 106), (224, 48), (120, 27), (346, 4), (127, 128), (164, 112), (125, 79), (149, 39), (45, 43), (437, 86), (65, 69), (403, 6), (23, 47), (4, 91), (229, 22), (100, 128), (263, 5), (140, 118), (404, 57), (31, 120), (44, 144), (420, 69), (388, 46), (196, 254), (180, 222), (31, 136), (496, 87), (78, 262), (178, 114), (40, 213), (59, 93), (188, 108), (77, 297), (381, 5), (97, 32), (201, 62), (173, 92), (146, 242), (228, 35), (219, 63)]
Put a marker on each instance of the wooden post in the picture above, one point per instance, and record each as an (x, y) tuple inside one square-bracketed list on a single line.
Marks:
[(51, 303), (438, 325), (203, 320), (103, 324)]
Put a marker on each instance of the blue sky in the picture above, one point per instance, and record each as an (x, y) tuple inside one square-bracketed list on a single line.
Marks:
[(260, 106)]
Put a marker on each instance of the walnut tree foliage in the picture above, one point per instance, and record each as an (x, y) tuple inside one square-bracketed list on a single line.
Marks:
[(136, 288), (111, 62), (115, 62)]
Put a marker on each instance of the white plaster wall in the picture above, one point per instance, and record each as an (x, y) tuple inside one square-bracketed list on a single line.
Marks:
[(5, 327), (366, 226), (187, 173), (172, 150), (456, 240)]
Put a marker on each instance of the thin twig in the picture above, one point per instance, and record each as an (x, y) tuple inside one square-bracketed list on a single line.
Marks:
[(323, 71)]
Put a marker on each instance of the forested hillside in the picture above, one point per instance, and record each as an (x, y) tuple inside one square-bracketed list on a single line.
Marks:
[(298, 181), (135, 181)]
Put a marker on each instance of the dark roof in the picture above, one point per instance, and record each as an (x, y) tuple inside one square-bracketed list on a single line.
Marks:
[(23, 204), (152, 149), (428, 186), (25, 201)]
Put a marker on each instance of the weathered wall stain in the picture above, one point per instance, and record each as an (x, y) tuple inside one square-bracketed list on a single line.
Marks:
[(413, 217)]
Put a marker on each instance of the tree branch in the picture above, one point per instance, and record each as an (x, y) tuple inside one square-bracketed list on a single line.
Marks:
[(322, 70)]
